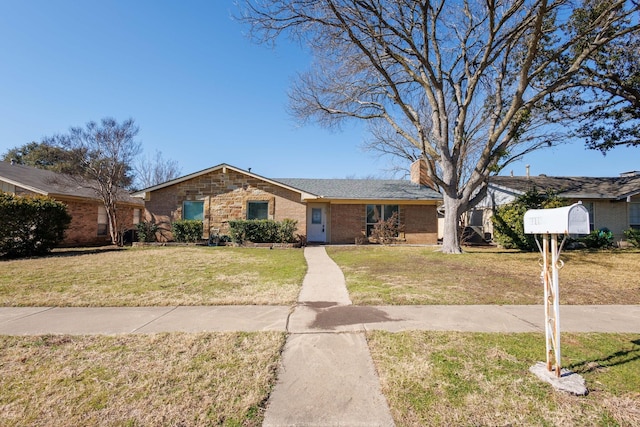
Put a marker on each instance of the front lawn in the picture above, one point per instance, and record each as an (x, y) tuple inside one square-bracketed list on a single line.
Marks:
[(154, 276), (138, 380), (474, 379), (378, 275)]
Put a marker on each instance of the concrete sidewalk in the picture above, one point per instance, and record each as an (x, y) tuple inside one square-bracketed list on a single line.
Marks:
[(313, 317)]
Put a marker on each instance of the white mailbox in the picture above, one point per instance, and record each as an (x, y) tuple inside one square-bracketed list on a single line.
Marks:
[(572, 219)]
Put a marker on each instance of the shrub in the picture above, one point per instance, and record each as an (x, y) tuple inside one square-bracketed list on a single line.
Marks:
[(187, 230), (599, 239), (508, 220), (287, 230), (147, 231), (386, 231), (263, 231), (633, 237), (31, 225)]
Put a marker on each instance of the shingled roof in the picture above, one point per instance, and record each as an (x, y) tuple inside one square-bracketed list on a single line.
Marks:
[(49, 183), (362, 189), (616, 188)]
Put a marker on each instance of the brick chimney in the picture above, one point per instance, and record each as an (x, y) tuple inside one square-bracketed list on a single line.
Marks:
[(419, 174)]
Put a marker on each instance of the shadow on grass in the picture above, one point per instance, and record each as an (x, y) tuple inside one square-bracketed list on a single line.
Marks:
[(70, 252), (615, 359)]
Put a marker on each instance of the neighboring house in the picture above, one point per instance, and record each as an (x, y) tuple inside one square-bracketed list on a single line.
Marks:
[(88, 215), (613, 203), (326, 210)]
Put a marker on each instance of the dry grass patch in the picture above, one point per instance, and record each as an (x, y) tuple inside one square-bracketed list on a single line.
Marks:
[(423, 275), (445, 378), (185, 275), (138, 380)]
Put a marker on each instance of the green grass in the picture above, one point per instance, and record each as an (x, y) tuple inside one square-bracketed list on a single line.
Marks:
[(378, 275), (449, 378), (158, 276), (138, 380)]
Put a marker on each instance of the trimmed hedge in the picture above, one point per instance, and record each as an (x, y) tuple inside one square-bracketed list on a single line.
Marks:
[(263, 231), (31, 225), (187, 230)]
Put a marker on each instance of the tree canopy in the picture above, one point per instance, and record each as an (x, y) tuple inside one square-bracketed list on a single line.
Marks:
[(468, 85), (43, 156), (153, 170)]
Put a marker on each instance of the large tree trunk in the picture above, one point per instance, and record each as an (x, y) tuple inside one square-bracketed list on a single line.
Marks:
[(451, 234)]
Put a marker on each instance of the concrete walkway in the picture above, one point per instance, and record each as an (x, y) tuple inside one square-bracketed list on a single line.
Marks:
[(325, 378), (327, 375)]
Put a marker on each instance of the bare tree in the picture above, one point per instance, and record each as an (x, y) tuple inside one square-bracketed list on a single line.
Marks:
[(153, 170), (470, 84), (104, 154)]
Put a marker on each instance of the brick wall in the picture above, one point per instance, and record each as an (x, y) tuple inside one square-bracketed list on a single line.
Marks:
[(349, 222), (83, 230), (225, 195), (421, 224)]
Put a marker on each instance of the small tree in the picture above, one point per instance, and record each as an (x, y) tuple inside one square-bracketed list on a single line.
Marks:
[(31, 225), (104, 154), (508, 220)]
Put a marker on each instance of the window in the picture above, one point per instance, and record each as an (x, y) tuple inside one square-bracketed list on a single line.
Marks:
[(257, 210), (377, 213), (103, 222), (316, 216), (193, 210), (634, 215), (136, 216)]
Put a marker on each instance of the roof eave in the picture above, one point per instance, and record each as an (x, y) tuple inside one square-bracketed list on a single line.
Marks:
[(26, 187), (223, 166)]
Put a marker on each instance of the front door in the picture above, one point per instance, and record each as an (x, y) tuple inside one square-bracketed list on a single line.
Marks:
[(317, 224)]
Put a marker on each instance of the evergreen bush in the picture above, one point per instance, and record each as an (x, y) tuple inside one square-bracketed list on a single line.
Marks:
[(508, 220), (187, 230), (599, 239), (633, 237), (147, 231), (31, 225)]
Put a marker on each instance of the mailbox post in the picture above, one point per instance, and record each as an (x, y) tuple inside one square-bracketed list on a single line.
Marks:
[(550, 223)]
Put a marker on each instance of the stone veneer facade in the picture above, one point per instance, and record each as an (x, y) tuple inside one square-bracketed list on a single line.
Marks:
[(225, 194)]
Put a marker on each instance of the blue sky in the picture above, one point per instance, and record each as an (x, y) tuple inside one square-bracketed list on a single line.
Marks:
[(199, 90)]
